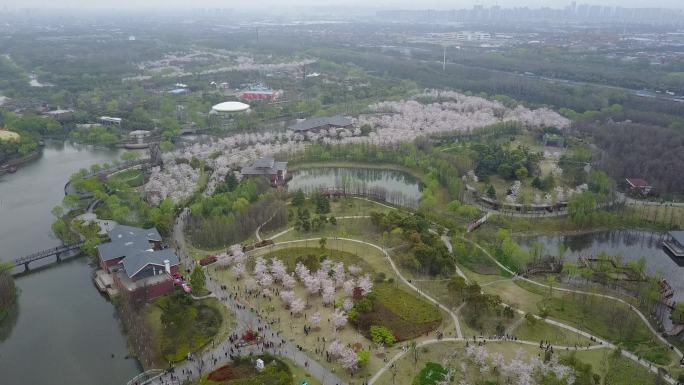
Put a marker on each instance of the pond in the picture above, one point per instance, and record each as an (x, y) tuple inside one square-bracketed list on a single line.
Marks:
[(395, 187), (629, 244)]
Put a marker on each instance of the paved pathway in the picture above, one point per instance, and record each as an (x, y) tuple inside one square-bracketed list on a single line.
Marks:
[(246, 319), (457, 324), (401, 354), (280, 234), (652, 367)]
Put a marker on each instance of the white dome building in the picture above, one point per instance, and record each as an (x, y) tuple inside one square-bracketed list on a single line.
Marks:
[(229, 108)]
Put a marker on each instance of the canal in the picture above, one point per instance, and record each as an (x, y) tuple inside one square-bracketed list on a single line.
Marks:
[(65, 331)]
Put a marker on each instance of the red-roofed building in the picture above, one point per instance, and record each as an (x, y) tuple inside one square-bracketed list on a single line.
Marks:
[(639, 185), (260, 92)]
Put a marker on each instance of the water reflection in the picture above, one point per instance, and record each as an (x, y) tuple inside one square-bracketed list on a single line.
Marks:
[(629, 244), (395, 187), (64, 331)]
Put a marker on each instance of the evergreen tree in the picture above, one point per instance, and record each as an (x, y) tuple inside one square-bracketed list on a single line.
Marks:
[(197, 280), (231, 181), (298, 198), (491, 192)]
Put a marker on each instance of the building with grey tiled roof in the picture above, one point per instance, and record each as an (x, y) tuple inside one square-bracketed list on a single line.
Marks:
[(317, 124), (269, 167), (137, 260)]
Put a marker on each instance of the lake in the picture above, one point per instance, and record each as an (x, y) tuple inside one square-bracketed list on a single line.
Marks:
[(65, 331), (630, 244), (392, 186)]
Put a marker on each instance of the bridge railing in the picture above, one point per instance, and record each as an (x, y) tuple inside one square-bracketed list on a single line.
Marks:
[(46, 253), (145, 377)]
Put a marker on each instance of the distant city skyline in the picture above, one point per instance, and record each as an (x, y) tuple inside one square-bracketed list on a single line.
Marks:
[(385, 4)]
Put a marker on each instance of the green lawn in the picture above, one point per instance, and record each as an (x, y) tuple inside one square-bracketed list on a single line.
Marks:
[(431, 374), (133, 177), (542, 331), (407, 305), (606, 318), (243, 372), (312, 256), (191, 325), (616, 370), (404, 313), (369, 258)]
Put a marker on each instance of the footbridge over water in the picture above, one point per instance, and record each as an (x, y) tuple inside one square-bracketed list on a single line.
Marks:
[(58, 252)]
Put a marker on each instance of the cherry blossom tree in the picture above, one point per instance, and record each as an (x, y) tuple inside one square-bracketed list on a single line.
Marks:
[(278, 269), (312, 283), (265, 280), (302, 271), (349, 359), (365, 284), (348, 304), (238, 270), (328, 292), (287, 296), (336, 349), (355, 270), (315, 319), (297, 305), (259, 266), (288, 281), (339, 274), (348, 287), (338, 319)]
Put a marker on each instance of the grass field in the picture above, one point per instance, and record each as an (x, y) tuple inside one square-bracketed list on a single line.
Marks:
[(214, 322), (542, 331), (243, 372), (404, 313), (291, 325), (312, 256), (605, 318), (615, 370), (133, 178), (373, 258)]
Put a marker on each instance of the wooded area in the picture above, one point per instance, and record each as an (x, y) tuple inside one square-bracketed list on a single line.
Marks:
[(650, 152)]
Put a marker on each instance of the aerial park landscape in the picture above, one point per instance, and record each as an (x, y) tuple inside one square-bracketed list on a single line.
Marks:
[(263, 211)]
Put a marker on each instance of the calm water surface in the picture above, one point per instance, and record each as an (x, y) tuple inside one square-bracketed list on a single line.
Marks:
[(631, 245), (65, 331), (397, 187)]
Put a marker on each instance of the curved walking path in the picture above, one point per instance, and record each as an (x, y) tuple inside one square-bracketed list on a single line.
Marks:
[(639, 313), (248, 319), (401, 354), (457, 324), (649, 365), (278, 235)]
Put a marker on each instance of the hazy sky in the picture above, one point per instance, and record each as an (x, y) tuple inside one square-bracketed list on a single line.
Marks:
[(444, 4)]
